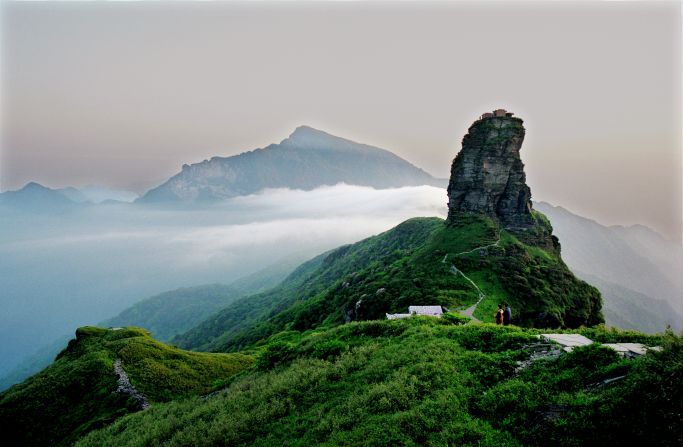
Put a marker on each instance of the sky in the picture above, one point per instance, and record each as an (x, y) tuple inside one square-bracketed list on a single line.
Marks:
[(122, 94)]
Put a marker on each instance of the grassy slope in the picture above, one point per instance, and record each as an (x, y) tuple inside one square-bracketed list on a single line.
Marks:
[(422, 382), (251, 318), (246, 311), (411, 265), (76, 393), (176, 311)]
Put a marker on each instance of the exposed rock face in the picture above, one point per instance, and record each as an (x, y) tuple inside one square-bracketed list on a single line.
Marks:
[(487, 175), (125, 387)]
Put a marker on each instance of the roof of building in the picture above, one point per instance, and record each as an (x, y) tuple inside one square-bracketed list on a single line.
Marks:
[(425, 310), (397, 316)]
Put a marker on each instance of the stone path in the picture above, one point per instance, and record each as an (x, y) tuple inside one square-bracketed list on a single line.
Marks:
[(571, 341), (495, 244), (469, 312), (552, 346), (125, 387), (567, 341)]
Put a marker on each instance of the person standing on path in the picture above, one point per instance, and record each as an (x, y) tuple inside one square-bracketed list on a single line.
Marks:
[(498, 317), (507, 315)]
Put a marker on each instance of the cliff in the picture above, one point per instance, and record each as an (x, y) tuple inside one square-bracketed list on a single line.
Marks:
[(487, 176)]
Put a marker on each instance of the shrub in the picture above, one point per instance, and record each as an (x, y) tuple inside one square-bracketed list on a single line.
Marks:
[(276, 354), (455, 319), (329, 349)]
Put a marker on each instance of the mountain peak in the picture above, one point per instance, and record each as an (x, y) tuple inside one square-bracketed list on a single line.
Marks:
[(307, 159), (34, 186), (309, 137), (304, 130), (487, 175)]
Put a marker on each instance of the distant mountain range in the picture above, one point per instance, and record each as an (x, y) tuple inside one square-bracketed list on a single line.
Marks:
[(176, 311), (97, 194), (169, 313), (639, 272), (309, 158), (34, 196)]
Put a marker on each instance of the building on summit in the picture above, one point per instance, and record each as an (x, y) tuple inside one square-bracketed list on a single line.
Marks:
[(496, 113)]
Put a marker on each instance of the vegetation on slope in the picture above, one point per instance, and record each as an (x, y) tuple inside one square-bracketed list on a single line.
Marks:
[(422, 381), (176, 311), (414, 264), (248, 319), (76, 393), (635, 268)]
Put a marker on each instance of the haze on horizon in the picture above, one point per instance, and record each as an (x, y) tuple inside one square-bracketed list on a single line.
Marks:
[(123, 94)]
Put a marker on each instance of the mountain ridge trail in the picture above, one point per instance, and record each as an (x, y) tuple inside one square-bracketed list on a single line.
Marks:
[(125, 387), (469, 312)]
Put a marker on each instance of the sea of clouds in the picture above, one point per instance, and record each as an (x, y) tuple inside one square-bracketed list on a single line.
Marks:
[(59, 272)]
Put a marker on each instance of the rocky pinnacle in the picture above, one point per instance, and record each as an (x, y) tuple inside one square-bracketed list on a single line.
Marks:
[(487, 175)]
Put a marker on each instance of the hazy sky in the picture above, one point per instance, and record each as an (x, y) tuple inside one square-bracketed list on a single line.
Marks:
[(123, 94)]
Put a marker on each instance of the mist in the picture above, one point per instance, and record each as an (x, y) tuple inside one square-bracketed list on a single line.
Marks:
[(60, 271), (123, 93)]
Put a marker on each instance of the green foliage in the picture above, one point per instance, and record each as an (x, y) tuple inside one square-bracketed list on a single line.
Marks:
[(244, 314), (421, 381), (540, 288), (455, 319), (176, 311), (603, 334), (76, 393), (494, 292), (412, 264), (314, 292), (275, 354), (163, 373)]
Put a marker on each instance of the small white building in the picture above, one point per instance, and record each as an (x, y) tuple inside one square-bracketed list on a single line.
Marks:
[(430, 311)]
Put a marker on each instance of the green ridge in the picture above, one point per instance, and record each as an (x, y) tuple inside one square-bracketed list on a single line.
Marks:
[(422, 381), (76, 393), (411, 264)]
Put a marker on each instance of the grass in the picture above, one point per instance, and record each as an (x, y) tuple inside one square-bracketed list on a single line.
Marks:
[(411, 265), (421, 381), (494, 295), (75, 394)]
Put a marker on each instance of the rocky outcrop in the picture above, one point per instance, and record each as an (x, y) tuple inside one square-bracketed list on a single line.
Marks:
[(127, 388), (487, 176)]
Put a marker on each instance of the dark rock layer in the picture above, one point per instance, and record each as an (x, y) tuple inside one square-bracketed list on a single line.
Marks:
[(487, 175)]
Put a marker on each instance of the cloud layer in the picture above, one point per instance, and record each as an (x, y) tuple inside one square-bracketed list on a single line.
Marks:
[(61, 272)]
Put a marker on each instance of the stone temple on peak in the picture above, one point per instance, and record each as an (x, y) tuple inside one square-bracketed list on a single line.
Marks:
[(487, 175)]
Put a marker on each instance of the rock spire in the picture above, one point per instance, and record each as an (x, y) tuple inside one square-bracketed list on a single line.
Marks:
[(487, 175)]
